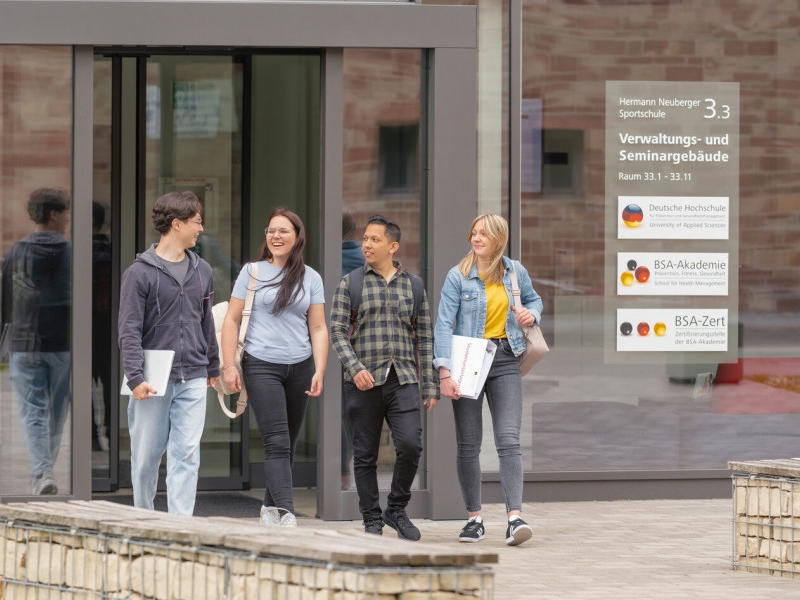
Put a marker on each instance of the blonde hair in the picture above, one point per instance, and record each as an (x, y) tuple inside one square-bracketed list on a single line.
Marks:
[(497, 231)]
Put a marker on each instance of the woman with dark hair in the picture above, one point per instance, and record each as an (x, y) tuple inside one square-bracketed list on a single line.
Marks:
[(286, 351)]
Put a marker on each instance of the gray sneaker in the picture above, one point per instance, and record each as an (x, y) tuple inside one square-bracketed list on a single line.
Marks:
[(44, 485), (270, 515)]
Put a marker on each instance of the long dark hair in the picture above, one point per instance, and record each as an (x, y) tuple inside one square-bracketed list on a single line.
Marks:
[(291, 284)]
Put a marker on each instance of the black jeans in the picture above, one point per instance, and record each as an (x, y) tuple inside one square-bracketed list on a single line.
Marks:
[(277, 396), (400, 406)]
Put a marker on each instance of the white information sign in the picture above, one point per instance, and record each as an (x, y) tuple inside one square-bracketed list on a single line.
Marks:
[(672, 218), (672, 330), (672, 273)]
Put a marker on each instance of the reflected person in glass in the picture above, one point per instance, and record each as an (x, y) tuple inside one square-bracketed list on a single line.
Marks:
[(477, 302), (352, 258), (36, 325), (285, 353)]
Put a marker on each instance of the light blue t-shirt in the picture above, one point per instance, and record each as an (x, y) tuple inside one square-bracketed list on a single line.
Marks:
[(282, 338)]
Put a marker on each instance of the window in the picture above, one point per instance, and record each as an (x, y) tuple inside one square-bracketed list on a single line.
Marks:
[(397, 169)]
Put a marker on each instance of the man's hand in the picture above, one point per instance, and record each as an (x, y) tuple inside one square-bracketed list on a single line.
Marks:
[(429, 403), (212, 381), (364, 380), (144, 391)]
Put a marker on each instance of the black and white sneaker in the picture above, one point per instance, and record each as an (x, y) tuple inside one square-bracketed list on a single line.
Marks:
[(518, 531), (473, 531)]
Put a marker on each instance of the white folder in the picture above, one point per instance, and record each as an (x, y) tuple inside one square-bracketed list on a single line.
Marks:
[(157, 367), (470, 360)]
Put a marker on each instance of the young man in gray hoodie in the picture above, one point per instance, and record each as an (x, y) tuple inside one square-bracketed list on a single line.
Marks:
[(165, 304)]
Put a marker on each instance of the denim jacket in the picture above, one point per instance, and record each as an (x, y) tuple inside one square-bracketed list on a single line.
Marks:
[(462, 310)]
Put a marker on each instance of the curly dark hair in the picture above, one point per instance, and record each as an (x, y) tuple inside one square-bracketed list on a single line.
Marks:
[(175, 205), (45, 200)]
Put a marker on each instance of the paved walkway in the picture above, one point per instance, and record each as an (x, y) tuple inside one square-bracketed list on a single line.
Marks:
[(642, 550)]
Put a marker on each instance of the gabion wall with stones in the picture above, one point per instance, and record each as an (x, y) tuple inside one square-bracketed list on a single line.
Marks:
[(766, 524), (39, 561)]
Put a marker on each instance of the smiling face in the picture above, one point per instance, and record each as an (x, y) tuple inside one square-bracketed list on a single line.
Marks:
[(378, 249), (281, 237), (189, 230), (483, 246)]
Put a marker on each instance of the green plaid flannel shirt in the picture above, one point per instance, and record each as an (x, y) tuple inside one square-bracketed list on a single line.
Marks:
[(383, 334)]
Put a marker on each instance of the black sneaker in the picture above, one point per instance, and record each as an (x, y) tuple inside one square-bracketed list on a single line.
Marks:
[(373, 525), (518, 531), (473, 531), (397, 519)]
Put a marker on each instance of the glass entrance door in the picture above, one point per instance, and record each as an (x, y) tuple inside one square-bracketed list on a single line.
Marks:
[(242, 132), (193, 141)]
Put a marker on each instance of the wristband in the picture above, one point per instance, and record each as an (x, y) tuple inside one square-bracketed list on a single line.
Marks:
[(230, 365), (443, 378)]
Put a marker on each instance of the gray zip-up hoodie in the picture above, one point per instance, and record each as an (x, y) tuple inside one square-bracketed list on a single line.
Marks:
[(157, 312)]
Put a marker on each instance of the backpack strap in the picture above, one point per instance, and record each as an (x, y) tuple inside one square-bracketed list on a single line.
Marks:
[(355, 282), (418, 289)]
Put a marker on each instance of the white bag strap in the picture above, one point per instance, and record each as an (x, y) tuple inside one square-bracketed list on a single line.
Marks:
[(515, 288), (241, 403)]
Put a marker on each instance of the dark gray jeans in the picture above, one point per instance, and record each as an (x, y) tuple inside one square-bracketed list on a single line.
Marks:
[(503, 392), (277, 396)]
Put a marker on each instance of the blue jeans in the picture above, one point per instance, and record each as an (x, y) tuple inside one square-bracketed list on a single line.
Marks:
[(172, 423), (503, 392), (277, 396), (41, 381), (400, 405)]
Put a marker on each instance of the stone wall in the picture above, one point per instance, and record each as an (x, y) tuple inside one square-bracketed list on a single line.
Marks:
[(766, 523), (76, 550)]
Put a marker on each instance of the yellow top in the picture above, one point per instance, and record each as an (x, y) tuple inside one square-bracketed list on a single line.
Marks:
[(496, 310)]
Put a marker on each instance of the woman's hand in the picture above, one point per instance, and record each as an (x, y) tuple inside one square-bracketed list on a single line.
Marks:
[(524, 316), (316, 384), (448, 388), (230, 377)]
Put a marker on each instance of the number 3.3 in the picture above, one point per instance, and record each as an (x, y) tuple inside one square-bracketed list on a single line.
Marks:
[(712, 112)]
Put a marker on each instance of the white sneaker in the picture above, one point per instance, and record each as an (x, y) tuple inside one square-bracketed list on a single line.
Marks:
[(287, 519), (270, 515)]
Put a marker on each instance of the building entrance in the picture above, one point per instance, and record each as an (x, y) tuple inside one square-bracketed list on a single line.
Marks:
[(240, 130)]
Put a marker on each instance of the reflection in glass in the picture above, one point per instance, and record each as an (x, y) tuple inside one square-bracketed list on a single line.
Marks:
[(194, 143), (382, 97), (581, 413), (35, 367), (104, 341), (36, 329)]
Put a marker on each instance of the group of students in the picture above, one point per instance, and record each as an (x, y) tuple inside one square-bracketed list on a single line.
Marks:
[(380, 328)]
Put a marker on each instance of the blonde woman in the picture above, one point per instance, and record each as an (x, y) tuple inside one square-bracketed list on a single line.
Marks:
[(476, 301)]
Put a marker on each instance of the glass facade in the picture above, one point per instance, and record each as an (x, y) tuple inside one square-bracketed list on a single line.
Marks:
[(589, 74), (381, 175), (617, 101), (35, 232)]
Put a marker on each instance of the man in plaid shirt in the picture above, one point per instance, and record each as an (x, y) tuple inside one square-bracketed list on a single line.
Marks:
[(381, 375)]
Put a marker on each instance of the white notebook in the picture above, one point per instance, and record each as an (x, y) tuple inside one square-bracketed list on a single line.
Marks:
[(157, 367)]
